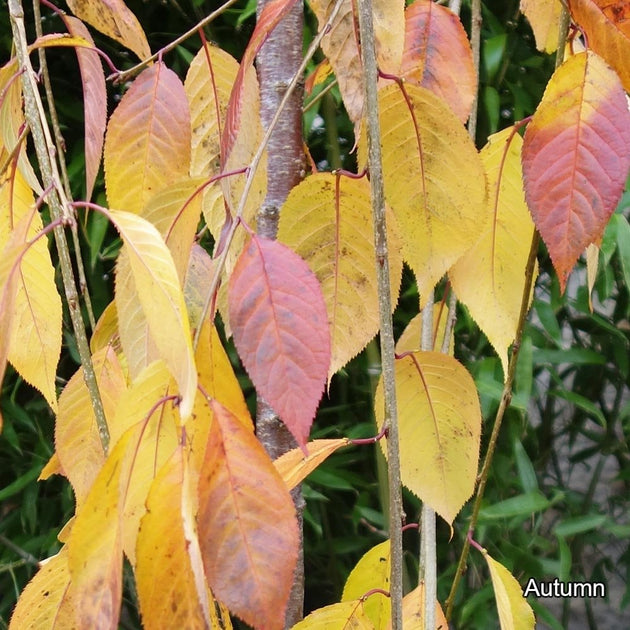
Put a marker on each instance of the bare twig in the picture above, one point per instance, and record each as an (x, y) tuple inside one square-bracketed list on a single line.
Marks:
[(370, 77)]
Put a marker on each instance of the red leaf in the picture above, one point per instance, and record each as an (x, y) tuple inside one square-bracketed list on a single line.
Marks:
[(247, 526), (94, 101), (576, 156), (273, 12), (280, 326)]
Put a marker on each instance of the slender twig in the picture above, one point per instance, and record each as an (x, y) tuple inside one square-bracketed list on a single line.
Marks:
[(60, 209), (126, 74), (427, 570), (59, 143), (370, 77), (220, 262)]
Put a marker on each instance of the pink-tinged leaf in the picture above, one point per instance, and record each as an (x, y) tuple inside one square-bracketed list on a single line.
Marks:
[(147, 145), (273, 12), (437, 55), (576, 157), (114, 19), (280, 326), (247, 526), (94, 101)]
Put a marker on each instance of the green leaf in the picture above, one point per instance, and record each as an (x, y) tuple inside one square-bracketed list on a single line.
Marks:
[(579, 524), (581, 403), (521, 505)]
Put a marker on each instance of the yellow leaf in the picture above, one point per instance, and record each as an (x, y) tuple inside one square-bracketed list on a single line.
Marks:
[(440, 427), (197, 283), (514, 611), (208, 86), (12, 122), (294, 467), (114, 19), (489, 279), (147, 144), (144, 403), (544, 18), (95, 552), (327, 220), (411, 338), (175, 212), (77, 440), (161, 299), (371, 572), (38, 605), (164, 577), (106, 330), (592, 261), (36, 318), (341, 616), (434, 181)]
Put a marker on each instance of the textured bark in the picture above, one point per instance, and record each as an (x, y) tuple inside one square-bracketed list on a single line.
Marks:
[(277, 62)]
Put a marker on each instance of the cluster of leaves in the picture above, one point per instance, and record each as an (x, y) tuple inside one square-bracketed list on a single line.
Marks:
[(172, 480)]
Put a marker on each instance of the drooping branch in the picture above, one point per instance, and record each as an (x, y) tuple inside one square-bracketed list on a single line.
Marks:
[(59, 206), (370, 75)]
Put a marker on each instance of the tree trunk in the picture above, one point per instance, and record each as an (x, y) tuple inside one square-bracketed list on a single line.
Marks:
[(277, 62)]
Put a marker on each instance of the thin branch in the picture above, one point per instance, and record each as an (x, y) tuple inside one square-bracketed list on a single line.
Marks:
[(370, 78), (60, 209), (427, 569), (120, 77), (59, 143)]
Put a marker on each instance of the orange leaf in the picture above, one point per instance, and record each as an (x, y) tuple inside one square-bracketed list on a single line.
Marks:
[(114, 19), (164, 577), (576, 157), (294, 466), (147, 146), (438, 56), (280, 326), (247, 526), (94, 101), (607, 28)]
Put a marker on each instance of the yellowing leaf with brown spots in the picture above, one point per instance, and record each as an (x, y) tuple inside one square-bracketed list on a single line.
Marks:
[(434, 180), (489, 279), (340, 616), (514, 611), (39, 602), (371, 572), (327, 220), (114, 19), (440, 426), (413, 611)]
